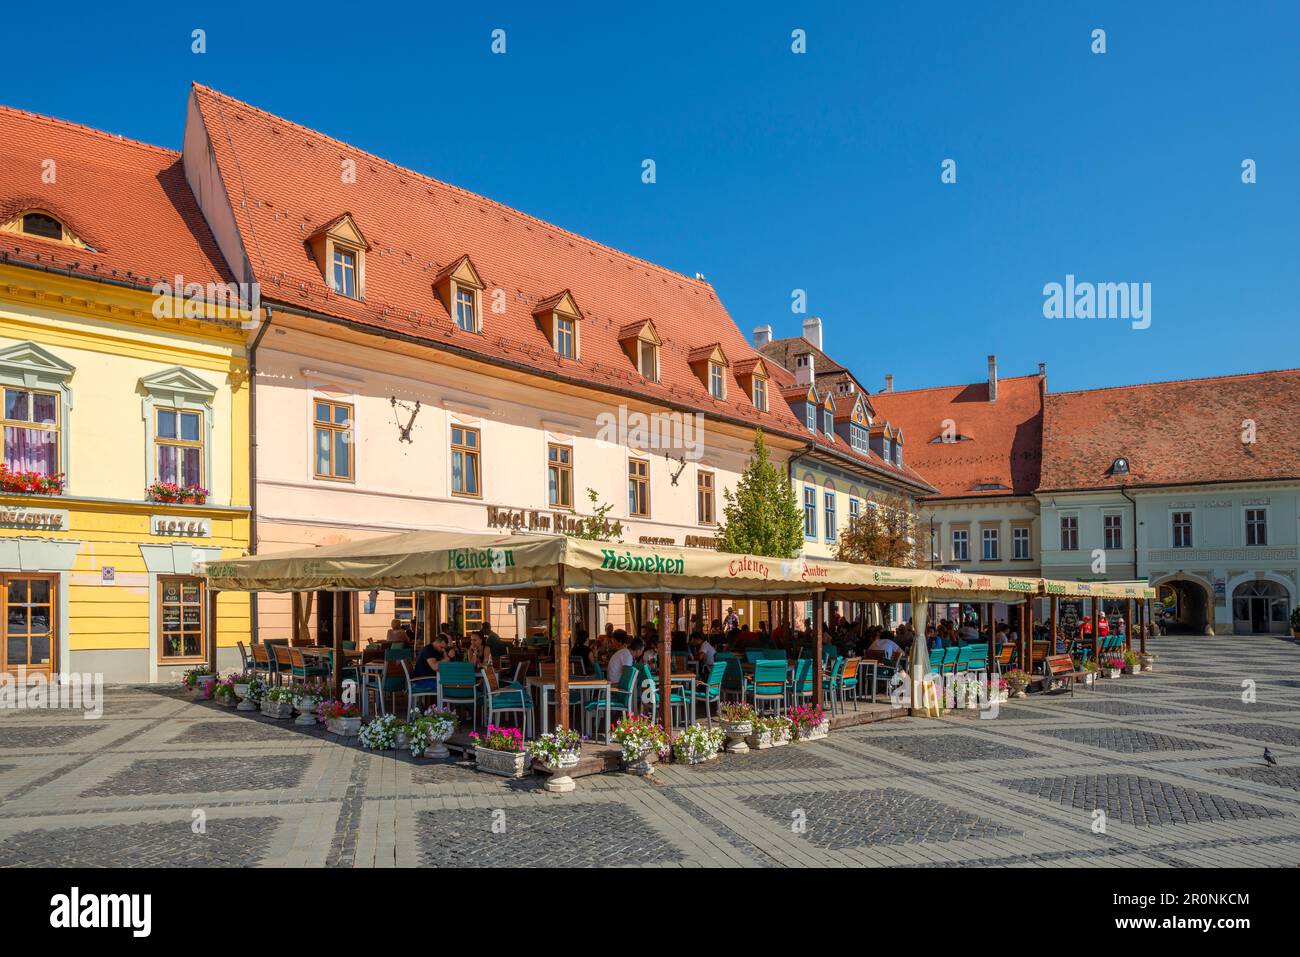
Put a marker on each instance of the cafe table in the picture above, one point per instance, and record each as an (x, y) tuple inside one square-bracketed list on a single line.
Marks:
[(544, 687)]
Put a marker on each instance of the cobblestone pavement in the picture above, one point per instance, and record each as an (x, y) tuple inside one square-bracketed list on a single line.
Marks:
[(1160, 769)]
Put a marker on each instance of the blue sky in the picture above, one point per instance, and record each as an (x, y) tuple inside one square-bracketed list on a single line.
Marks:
[(819, 171)]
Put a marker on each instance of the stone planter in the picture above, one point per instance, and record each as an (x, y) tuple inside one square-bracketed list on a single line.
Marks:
[(277, 709), (1112, 672), (246, 703), (760, 741), (781, 738), (306, 705), (1020, 693), (736, 732), (1148, 662), (559, 782), (226, 701), (203, 686), (638, 764), (346, 727), (506, 764), (699, 757), (821, 730)]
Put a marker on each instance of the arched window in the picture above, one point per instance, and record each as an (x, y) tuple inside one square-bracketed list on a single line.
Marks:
[(39, 224)]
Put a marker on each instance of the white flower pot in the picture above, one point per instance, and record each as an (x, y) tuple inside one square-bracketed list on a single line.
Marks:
[(638, 764), (437, 750), (736, 734), (347, 727), (306, 705), (781, 739), (760, 741), (203, 687), (241, 691), (506, 764), (277, 709)]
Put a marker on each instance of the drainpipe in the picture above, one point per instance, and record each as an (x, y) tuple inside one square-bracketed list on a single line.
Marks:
[(1134, 503), (252, 460)]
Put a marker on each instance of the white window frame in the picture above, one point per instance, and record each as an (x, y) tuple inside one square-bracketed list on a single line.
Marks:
[(1245, 525), (1105, 537), (990, 535), (1174, 527), (1022, 534), (1074, 519), (962, 554)]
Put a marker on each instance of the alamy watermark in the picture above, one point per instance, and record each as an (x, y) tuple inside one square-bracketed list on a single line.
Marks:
[(669, 432), (1099, 300), (238, 302), (36, 692)]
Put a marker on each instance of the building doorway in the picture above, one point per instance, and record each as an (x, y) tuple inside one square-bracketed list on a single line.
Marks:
[(1184, 607), (1260, 608), (31, 628)]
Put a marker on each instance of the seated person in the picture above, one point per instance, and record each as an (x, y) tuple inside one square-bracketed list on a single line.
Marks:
[(886, 646), (396, 631), (431, 655), (478, 653), (624, 657), (581, 649), (702, 650), (498, 645)]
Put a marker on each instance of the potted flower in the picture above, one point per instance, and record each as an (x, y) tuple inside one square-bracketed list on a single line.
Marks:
[(639, 737), (254, 691), (781, 728), (192, 494), (437, 727), (224, 692), (1132, 663), (1017, 681), (199, 680), (500, 751), (163, 492), (381, 733), (998, 688), (760, 737), (278, 702), (339, 718), (966, 690), (809, 722), (307, 697), (30, 483), (557, 751), (1148, 660), (737, 722), (1112, 666), (698, 743)]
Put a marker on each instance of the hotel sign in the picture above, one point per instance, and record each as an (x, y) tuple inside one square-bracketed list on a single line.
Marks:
[(535, 520), (37, 519), (184, 525)]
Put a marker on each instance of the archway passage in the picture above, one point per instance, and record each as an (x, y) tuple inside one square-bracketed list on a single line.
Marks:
[(1260, 607), (1185, 606)]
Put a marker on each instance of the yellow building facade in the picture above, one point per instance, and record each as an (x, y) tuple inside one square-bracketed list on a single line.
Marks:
[(98, 576)]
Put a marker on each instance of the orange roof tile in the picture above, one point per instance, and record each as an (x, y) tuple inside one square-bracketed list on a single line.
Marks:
[(1005, 455), (126, 199), (285, 181), (1174, 433)]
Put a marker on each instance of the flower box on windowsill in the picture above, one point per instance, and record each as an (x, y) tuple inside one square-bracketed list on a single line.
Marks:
[(29, 483)]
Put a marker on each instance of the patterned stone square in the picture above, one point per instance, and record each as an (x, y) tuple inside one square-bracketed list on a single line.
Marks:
[(841, 819), (1125, 740), (1236, 704), (942, 748), (1138, 800), (1263, 733), (448, 772), (232, 842), (1144, 686), (1116, 708), (791, 757), (204, 776), (1222, 687), (228, 732), (48, 737), (1261, 773), (563, 835)]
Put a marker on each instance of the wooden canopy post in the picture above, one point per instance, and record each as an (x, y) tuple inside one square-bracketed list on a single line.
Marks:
[(665, 662), (336, 676), (1096, 633), (817, 650), (1128, 623), (1142, 635), (212, 629), (993, 651), (1051, 640), (560, 601), (295, 600), (1026, 629)]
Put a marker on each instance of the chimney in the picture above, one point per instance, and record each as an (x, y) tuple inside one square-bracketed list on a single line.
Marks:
[(1042, 371), (762, 336), (889, 383), (993, 378), (804, 373), (812, 330)]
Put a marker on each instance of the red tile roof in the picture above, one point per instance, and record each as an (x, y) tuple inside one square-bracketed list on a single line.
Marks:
[(285, 182), (1004, 456), (1174, 433), (126, 199)]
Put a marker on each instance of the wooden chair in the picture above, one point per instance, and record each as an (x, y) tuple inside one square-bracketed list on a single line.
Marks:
[(283, 663), (1061, 667), (262, 662)]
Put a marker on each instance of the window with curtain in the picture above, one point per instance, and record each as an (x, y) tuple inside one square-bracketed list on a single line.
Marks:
[(31, 431), (178, 439)]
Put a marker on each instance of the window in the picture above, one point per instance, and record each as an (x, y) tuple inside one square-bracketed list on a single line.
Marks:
[(828, 422), (31, 634), (345, 272), (1256, 526), (465, 450), (466, 308), (810, 513), (717, 385), (1113, 532), (404, 605), (855, 506), (559, 476), (760, 394), (886, 447), (1181, 523), (31, 431), (858, 437), (704, 498), (960, 545), (810, 416), (177, 437), (831, 524), (989, 544), (1020, 543), (638, 487), (1069, 533), (333, 440), (47, 227), (180, 616), (649, 360), (566, 337)]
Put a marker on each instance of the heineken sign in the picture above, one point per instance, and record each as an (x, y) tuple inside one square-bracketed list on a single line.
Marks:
[(474, 559), (611, 560)]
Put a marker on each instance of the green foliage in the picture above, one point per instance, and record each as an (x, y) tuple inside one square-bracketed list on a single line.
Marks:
[(763, 516), (596, 527)]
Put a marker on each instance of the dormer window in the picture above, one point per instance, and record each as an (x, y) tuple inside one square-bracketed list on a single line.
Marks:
[(717, 385), (709, 363), (466, 309), (47, 227), (641, 344), (459, 287), (40, 224), (810, 416), (340, 253), (828, 422), (760, 394), (751, 376), (1119, 467), (345, 272), (559, 318), (648, 363)]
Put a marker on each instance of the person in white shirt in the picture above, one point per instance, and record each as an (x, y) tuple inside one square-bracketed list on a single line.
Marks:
[(704, 652), (888, 646), (623, 658)]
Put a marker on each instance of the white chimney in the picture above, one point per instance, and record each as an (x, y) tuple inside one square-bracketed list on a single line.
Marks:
[(762, 336), (845, 387), (993, 378), (812, 330), (804, 374), (889, 383)]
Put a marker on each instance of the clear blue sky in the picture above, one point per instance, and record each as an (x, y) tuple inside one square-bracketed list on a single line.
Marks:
[(819, 171)]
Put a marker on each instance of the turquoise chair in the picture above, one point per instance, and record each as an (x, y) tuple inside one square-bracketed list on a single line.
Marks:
[(769, 684), (621, 697), (709, 691), (733, 680), (831, 687), (511, 699), (802, 685), (754, 655), (650, 693), (458, 687)]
